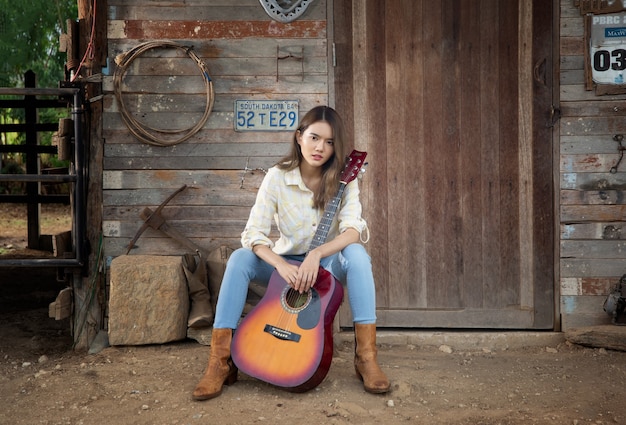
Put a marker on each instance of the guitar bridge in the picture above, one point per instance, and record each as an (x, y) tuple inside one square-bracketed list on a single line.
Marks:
[(282, 333)]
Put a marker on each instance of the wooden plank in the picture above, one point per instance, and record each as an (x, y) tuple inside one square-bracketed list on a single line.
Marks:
[(517, 275), (182, 103), (596, 267), (163, 246), (612, 231), (189, 30), (200, 196), (192, 229), (304, 63), (490, 155), (571, 77), (571, 46), (461, 318), (222, 49), (602, 144), (544, 251), (593, 197), (191, 163), (606, 336), (592, 125), (588, 213), (593, 181), (208, 149), (603, 249), (206, 136), (470, 163), (180, 212), (205, 10), (587, 285), (407, 254), (215, 179), (435, 174), (596, 108), (592, 163), (312, 83), (449, 223)]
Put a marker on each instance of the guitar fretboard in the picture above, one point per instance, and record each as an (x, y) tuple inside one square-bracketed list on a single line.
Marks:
[(327, 218)]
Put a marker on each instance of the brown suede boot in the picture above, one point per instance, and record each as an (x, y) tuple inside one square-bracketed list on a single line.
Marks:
[(201, 311), (365, 362), (220, 369)]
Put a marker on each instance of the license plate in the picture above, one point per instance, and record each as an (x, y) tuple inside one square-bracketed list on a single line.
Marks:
[(266, 115)]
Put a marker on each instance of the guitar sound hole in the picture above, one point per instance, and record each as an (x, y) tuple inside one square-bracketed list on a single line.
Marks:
[(293, 301)]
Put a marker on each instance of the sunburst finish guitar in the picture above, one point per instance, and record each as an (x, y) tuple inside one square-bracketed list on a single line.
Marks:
[(287, 340)]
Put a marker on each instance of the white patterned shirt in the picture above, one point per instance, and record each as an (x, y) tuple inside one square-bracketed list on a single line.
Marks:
[(284, 199)]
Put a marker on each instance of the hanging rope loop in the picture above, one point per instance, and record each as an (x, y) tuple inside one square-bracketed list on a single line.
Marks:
[(147, 134)]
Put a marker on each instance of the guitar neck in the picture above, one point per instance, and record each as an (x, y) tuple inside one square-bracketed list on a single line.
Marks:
[(327, 218)]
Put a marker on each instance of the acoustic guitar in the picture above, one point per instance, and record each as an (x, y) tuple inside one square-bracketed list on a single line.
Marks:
[(286, 340)]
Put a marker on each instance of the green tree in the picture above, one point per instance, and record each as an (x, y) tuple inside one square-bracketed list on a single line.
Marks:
[(29, 39)]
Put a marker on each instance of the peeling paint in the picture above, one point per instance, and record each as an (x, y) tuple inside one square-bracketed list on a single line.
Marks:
[(138, 29)]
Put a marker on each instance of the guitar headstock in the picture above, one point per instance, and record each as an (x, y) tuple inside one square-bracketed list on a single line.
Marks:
[(354, 165)]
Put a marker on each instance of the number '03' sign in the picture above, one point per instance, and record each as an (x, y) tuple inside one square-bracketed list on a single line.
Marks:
[(608, 48), (266, 115)]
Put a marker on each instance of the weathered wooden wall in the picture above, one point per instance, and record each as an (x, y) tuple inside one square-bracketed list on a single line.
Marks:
[(241, 46), (592, 203)]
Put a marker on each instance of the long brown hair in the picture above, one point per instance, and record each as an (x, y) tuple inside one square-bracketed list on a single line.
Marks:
[(331, 170)]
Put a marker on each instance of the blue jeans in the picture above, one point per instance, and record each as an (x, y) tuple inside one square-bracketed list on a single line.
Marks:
[(352, 267)]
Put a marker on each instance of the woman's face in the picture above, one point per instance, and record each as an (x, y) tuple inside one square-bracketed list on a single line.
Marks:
[(317, 144)]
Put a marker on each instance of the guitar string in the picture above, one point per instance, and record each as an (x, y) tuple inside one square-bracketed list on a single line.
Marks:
[(292, 297)]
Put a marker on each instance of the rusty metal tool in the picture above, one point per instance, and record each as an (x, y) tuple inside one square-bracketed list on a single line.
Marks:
[(155, 220)]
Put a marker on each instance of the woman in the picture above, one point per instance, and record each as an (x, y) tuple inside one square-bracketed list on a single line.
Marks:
[(296, 192)]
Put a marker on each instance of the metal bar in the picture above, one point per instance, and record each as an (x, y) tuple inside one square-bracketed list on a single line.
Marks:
[(20, 128), (39, 199), (41, 103), (28, 149), (79, 231), (44, 178), (38, 91), (40, 262)]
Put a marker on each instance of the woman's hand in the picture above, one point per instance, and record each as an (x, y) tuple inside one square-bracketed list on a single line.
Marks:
[(307, 272), (289, 272), (300, 277)]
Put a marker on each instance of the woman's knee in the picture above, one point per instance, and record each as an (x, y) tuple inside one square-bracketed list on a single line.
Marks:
[(355, 252), (241, 256)]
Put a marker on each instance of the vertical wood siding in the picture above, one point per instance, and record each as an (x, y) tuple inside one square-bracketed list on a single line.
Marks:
[(164, 89), (592, 204)]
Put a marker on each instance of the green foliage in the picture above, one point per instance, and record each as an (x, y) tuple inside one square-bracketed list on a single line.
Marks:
[(29, 39)]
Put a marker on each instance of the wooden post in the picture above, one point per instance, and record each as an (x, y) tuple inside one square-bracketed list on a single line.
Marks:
[(88, 288), (33, 189)]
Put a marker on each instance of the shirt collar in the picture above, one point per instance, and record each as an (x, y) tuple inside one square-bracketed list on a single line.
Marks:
[(294, 178)]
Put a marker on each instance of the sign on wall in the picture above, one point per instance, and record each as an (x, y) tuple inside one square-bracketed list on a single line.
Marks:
[(608, 48), (266, 115), (605, 52)]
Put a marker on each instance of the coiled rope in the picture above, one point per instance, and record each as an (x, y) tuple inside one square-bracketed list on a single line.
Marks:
[(149, 135)]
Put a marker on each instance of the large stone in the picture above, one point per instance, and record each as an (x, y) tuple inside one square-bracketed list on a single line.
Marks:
[(148, 301)]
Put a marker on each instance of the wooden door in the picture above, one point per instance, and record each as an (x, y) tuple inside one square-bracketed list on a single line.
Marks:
[(451, 100)]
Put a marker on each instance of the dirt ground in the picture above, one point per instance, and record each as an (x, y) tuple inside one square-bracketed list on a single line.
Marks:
[(44, 381)]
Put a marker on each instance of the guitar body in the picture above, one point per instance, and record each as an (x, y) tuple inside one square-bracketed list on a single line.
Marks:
[(286, 340)]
